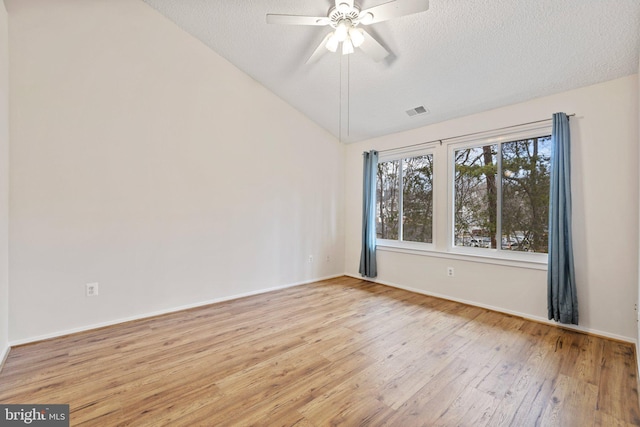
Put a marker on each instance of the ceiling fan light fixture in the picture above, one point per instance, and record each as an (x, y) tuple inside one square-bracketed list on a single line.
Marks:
[(347, 47), (332, 43), (356, 36), (342, 30)]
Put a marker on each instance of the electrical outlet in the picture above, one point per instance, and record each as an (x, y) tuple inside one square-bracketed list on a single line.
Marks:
[(328, 258), (92, 289), (310, 259), (450, 272)]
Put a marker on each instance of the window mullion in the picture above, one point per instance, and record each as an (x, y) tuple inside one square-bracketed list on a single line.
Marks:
[(400, 197), (499, 200)]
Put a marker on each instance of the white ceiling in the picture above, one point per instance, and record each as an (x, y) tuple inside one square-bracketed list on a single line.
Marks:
[(458, 58)]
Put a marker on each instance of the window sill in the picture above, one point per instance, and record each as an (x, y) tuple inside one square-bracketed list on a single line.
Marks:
[(491, 256)]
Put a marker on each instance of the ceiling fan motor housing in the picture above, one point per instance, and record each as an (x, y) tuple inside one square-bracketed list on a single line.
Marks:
[(338, 14)]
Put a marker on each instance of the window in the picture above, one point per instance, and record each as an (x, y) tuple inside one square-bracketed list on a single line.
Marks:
[(481, 197), (404, 199), (501, 195)]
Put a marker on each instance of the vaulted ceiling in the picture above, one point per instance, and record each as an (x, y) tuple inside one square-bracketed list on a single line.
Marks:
[(459, 57)]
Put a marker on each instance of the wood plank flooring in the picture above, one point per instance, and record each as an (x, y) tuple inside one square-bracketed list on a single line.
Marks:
[(338, 352)]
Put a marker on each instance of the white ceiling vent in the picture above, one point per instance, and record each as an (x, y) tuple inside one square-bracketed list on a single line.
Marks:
[(417, 111)]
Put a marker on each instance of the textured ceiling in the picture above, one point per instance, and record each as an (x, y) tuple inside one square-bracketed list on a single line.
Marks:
[(458, 58)]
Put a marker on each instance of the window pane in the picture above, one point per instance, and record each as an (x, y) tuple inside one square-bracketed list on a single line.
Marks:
[(417, 199), (387, 199), (475, 205), (525, 194)]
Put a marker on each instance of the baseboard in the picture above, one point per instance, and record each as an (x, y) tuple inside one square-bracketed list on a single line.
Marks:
[(502, 310), (161, 312)]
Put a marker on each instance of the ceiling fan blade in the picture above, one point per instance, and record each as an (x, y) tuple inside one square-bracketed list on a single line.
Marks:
[(372, 48), (297, 19), (393, 9), (320, 50)]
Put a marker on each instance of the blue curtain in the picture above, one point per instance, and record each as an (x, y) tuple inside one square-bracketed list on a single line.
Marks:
[(368, 267), (561, 287)]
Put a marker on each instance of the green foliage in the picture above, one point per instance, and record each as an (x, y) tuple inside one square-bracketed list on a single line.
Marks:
[(517, 171), (524, 185), (416, 211), (526, 174), (387, 200), (417, 199)]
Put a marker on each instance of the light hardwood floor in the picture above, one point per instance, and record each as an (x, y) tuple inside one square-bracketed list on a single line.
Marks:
[(338, 352)]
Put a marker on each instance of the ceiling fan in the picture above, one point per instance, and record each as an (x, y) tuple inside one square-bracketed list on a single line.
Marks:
[(346, 19)]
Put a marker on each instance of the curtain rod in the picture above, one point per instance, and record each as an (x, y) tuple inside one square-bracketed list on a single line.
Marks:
[(469, 134)]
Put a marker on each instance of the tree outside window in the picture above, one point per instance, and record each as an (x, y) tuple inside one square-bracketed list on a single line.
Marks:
[(503, 190), (405, 199)]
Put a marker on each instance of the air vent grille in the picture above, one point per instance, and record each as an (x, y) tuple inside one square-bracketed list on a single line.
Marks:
[(417, 111)]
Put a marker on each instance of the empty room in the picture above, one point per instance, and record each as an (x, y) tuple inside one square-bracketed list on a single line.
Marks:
[(319, 213)]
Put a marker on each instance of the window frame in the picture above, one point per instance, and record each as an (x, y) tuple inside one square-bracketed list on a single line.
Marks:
[(401, 154), (443, 191), (489, 138)]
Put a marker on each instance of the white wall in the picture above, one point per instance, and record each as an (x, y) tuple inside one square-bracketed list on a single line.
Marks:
[(605, 217), (638, 301), (4, 183), (143, 161)]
